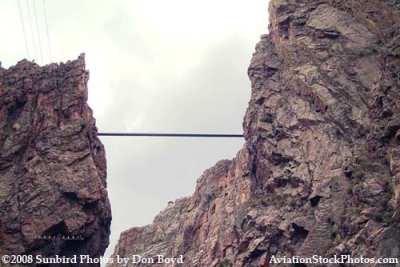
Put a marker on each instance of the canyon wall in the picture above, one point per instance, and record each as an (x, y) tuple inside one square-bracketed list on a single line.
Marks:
[(53, 197), (319, 173)]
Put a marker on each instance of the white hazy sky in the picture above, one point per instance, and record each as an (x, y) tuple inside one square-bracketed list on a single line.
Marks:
[(155, 66)]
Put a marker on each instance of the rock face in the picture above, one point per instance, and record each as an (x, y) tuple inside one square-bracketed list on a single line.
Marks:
[(319, 173), (53, 197)]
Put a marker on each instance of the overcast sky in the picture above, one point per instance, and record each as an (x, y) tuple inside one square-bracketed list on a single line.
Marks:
[(155, 66)]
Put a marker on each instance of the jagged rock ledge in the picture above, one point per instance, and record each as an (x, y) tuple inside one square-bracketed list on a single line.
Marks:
[(319, 173), (52, 165)]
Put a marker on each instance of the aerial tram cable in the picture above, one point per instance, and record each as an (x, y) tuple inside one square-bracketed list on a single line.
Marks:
[(172, 135)]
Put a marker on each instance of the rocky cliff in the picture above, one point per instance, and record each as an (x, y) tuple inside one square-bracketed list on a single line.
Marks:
[(53, 197), (319, 173)]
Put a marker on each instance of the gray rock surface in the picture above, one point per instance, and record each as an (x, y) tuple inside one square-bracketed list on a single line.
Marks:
[(53, 197), (320, 171)]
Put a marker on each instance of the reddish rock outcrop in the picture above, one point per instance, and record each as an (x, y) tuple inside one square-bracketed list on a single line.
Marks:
[(319, 173), (53, 197)]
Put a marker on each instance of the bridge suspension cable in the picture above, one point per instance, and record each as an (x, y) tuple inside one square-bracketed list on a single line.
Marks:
[(21, 17), (37, 31), (47, 29), (31, 28)]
